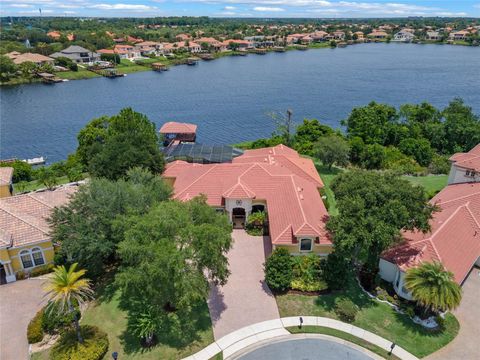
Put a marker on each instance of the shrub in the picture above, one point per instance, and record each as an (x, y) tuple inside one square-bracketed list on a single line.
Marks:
[(42, 270), (307, 273), (54, 322), (255, 223), (335, 271), (21, 170), (94, 347), (346, 310), (34, 329), (439, 165), (278, 270)]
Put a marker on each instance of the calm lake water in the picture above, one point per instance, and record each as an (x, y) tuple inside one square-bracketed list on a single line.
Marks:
[(230, 97)]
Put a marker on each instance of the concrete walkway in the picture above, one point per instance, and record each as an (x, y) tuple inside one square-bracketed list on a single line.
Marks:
[(466, 345), (19, 302), (248, 336), (245, 299)]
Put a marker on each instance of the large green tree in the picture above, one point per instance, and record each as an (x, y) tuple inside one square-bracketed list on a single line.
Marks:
[(373, 208), (110, 146), (168, 258), (333, 150), (308, 133), (462, 127), (92, 224), (433, 287)]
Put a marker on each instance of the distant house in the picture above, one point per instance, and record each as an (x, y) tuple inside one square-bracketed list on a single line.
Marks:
[(146, 48), (6, 183), (213, 43), (70, 37), (241, 44), (318, 35), (338, 35), (38, 59), (183, 37), (454, 239), (359, 35), (458, 35), (433, 36), (134, 40), (377, 34), (55, 35), (403, 36), (77, 54)]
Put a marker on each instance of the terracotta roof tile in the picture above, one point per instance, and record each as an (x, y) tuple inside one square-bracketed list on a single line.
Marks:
[(468, 160), (6, 174), (172, 127)]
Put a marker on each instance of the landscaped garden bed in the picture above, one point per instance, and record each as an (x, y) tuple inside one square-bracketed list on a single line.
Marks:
[(373, 316)]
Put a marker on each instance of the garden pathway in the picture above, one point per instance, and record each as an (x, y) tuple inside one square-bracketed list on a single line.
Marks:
[(245, 299)]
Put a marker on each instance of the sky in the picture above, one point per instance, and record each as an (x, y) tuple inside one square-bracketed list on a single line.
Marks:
[(242, 8)]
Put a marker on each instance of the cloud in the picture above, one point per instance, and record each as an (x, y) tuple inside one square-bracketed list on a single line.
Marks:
[(230, 8), (267, 9), (138, 7), (20, 5)]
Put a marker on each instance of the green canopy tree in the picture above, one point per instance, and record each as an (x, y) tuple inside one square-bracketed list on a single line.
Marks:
[(308, 133), (168, 257), (333, 150), (433, 287), (109, 147), (373, 208), (91, 225)]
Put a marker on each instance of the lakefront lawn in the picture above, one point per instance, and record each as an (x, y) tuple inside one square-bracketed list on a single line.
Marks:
[(373, 316)]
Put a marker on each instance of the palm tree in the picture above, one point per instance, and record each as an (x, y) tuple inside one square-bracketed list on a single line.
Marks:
[(433, 287), (64, 287)]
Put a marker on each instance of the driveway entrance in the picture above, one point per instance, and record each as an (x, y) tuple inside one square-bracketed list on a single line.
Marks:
[(245, 299), (466, 345)]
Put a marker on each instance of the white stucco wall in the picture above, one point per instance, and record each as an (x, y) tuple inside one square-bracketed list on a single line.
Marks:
[(457, 176), (477, 263), (387, 270), (246, 204)]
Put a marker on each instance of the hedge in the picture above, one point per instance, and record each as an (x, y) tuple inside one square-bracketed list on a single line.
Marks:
[(34, 329), (94, 347)]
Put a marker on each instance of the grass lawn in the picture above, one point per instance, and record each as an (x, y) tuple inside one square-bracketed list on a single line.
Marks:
[(432, 183), (342, 335), (77, 75), (110, 318), (35, 185), (327, 176), (373, 316), (127, 66)]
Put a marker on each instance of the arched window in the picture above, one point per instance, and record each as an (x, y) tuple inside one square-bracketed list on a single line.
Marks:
[(31, 258), (37, 256), (26, 258)]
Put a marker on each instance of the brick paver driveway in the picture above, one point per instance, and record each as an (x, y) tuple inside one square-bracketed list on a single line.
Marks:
[(466, 346), (245, 299), (19, 301)]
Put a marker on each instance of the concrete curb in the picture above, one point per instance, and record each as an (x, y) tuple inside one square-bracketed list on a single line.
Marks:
[(252, 334)]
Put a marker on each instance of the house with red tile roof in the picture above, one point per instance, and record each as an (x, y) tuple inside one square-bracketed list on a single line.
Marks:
[(465, 167), (275, 180), (454, 238), (25, 242), (6, 184), (175, 131)]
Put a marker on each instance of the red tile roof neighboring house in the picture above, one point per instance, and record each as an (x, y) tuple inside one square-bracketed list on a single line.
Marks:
[(454, 239), (19, 58), (294, 204), (6, 174), (23, 217), (469, 160), (54, 35), (173, 127)]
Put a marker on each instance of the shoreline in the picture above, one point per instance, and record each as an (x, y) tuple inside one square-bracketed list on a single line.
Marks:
[(130, 67)]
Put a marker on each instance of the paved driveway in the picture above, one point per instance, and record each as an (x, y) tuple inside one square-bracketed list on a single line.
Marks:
[(466, 345), (19, 302), (245, 299)]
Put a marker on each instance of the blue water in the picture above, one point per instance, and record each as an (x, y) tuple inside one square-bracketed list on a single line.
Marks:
[(229, 98)]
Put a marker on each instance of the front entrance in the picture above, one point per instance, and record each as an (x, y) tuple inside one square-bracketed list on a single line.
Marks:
[(238, 218), (3, 275)]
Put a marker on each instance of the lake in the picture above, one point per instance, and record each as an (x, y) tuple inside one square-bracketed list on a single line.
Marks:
[(230, 98)]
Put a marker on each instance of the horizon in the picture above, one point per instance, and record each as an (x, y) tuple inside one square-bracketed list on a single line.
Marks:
[(261, 9)]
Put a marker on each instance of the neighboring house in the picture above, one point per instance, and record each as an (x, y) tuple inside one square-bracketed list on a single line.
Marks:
[(403, 36), (377, 34), (338, 35), (127, 50), (454, 239), (433, 36), (458, 35), (318, 35), (242, 44), (275, 180), (77, 54), (122, 54), (465, 167), (6, 183), (38, 59), (55, 35), (174, 131), (149, 48), (24, 232), (360, 35), (183, 37), (212, 43)]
